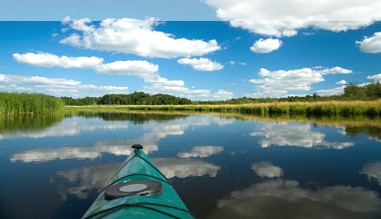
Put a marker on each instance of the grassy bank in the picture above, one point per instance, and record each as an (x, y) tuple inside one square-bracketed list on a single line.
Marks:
[(371, 108), (25, 103)]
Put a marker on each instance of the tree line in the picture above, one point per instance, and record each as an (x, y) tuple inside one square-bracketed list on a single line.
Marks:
[(352, 91), (136, 98)]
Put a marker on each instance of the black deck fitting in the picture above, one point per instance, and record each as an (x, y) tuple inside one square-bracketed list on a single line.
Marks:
[(137, 146)]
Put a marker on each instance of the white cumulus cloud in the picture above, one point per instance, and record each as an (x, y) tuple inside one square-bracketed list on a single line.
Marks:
[(279, 83), (128, 67), (132, 36), (332, 91), (201, 64), (222, 95), (371, 44), (375, 77), (178, 88), (266, 46), (138, 68), (285, 18), (342, 82), (335, 70), (54, 86), (48, 60)]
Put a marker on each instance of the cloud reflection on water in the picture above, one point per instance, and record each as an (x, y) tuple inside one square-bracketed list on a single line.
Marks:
[(183, 168), (277, 198), (266, 169), (294, 134), (44, 155), (155, 132), (86, 179), (201, 151), (68, 127), (373, 171), (81, 181)]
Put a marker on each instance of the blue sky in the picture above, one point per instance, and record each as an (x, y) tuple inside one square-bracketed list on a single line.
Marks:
[(203, 50)]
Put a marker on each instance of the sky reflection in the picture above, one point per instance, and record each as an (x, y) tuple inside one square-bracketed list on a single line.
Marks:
[(294, 134), (201, 151), (45, 155), (183, 168), (154, 132), (82, 181), (86, 179), (68, 127), (266, 169), (373, 171), (277, 198), (240, 175)]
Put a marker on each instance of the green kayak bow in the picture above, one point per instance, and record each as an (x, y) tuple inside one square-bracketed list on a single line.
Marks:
[(138, 190)]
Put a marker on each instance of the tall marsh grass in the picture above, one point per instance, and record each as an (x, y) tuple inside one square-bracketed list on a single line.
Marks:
[(334, 108), (22, 103)]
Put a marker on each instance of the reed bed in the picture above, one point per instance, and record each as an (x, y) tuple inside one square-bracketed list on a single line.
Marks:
[(23, 103), (370, 108)]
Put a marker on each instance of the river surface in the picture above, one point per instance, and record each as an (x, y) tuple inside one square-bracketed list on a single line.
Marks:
[(221, 166)]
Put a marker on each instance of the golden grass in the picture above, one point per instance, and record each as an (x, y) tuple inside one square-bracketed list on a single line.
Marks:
[(289, 108)]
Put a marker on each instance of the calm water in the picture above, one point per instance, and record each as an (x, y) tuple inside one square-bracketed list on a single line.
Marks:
[(222, 167)]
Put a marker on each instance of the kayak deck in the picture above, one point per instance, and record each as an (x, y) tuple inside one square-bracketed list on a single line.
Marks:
[(138, 190)]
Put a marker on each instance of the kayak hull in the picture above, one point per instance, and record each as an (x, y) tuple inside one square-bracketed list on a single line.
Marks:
[(138, 190)]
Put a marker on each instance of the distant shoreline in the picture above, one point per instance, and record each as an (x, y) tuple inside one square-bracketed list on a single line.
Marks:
[(371, 108), (24, 103)]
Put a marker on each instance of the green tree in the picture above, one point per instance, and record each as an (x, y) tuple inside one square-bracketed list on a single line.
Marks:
[(373, 90), (353, 91)]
